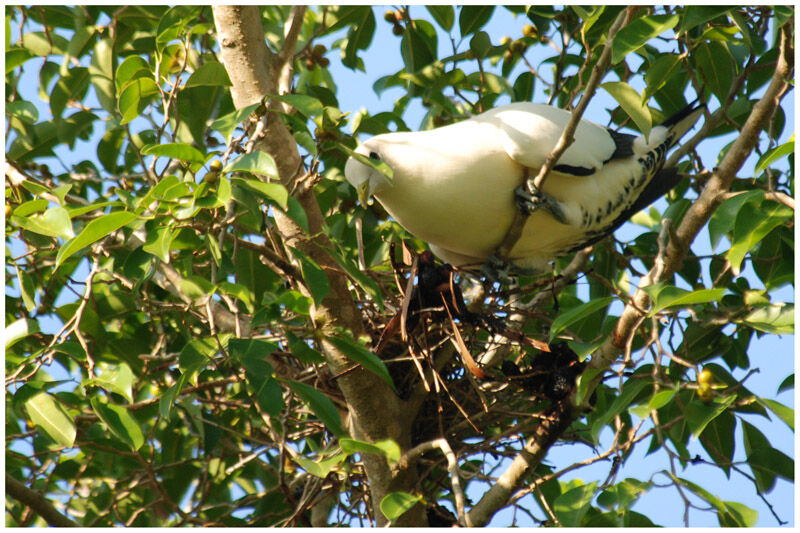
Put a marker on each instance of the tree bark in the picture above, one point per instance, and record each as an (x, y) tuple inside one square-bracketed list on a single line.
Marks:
[(376, 413), (37, 502)]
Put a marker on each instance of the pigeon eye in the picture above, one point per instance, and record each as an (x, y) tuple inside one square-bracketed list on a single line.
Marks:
[(374, 155)]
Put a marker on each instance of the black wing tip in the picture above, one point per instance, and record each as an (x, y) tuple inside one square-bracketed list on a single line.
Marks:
[(687, 111)]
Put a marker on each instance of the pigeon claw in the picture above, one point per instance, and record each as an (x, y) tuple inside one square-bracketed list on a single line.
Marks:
[(528, 202), (502, 271), (496, 269)]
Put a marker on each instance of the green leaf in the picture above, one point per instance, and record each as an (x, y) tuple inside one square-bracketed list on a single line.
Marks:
[(94, 231), (443, 15), (395, 504), (135, 97), (181, 151), (630, 390), (386, 448), (43, 44), (196, 353), (473, 18), (252, 354), (786, 384), (271, 191), (662, 69), (211, 73), (630, 102), (303, 351), (716, 66), (258, 163), (69, 87), (571, 506), (51, 417), (133, 65), (764, 460), (23, 110), (700, 491), (18, 330), (623, 495), (660, 399), (718, 439), (523, 87), (307, 105), (159, 241), (752, 225), (27, 289), (773, 155), (55, 222), (16, 57), (119, 421), (724, 218), (636, 34), (664, 296), (699, 415), (361, 355), (172, 23), (117, 379), (417, 48), (296, 212), (480, 44), (583, 382), (320, 405), (738, 514), (767, 464), (101, 74), (359, 37), (227, 124), (775, 318), (576, 314), (315, 278), (321, 468), (783, 412), (695, 15), (366, 283)]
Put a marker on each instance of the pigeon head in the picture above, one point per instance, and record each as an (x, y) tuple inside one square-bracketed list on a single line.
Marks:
[(365, 178)]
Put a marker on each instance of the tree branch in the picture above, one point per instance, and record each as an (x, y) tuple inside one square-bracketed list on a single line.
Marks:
[(38, 503), (285, 57), (376, 412)]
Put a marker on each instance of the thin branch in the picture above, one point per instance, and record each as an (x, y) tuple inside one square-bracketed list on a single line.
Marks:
[(452, 469), (37, 503)]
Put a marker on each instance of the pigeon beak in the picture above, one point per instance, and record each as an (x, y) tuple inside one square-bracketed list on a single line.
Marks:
[(363, 193)]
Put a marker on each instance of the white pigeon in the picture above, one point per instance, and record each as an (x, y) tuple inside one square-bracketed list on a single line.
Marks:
[(456, 187)]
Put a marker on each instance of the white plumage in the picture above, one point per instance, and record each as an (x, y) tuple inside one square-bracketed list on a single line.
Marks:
[(454, 186)]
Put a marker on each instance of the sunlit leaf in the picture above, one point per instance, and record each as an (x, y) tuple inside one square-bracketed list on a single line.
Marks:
[(258, 162), (119, 421), (394, 505), (630, 101), (94, 231), (51, 417), (636, 34), (362, 356), (665, 296), (320, 405), (181, 151), (211, 73), (571, 506), (576, 314)]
